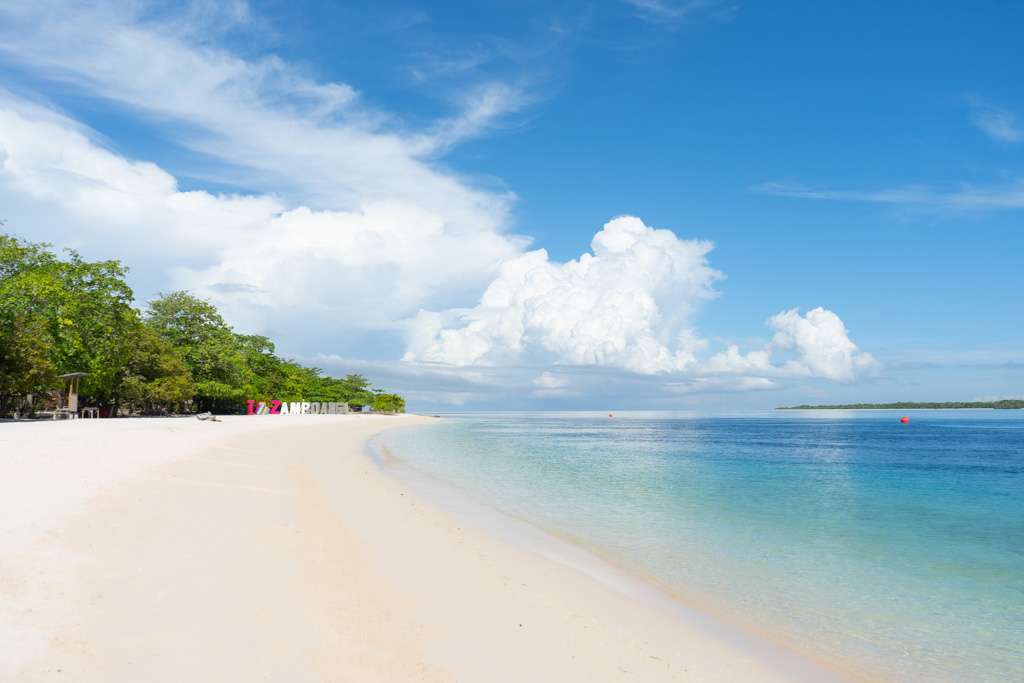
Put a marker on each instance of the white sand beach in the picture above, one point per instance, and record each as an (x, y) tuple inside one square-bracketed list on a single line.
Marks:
[(273, 548)]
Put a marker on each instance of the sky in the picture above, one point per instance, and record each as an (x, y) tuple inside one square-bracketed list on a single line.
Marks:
[(657, 204)]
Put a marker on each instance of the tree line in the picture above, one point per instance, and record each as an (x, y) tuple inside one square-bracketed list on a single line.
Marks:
[(65, 314)]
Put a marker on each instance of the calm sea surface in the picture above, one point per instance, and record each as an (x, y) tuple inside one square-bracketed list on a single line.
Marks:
[(897, 548)]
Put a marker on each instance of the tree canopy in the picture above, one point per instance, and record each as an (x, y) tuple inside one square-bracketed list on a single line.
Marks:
[(60, 315)]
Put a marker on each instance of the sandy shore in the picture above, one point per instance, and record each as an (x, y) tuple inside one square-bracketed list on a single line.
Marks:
[(272, 548)]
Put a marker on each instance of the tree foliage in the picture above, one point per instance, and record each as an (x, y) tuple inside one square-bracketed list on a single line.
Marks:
[(63, 315), (388, 403), (60, 315), (210, 349)]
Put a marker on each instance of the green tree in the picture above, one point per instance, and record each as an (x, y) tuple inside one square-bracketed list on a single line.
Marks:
[(387, 403), (26, 364), (95, 324), (264, 375), (27, 345), (355, 390), (211, 350), (61, 316), (155, 377)]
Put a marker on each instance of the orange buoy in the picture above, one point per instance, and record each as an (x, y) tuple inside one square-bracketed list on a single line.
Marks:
[(904, 419)]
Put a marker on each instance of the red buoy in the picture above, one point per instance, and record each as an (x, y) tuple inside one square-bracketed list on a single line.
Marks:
[(904, 419)]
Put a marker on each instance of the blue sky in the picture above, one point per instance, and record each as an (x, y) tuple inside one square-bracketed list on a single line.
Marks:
[(290, 159)]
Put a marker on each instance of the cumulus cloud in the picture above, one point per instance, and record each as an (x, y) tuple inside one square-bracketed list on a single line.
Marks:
[(821, 343), (818, 341), (627, 304)]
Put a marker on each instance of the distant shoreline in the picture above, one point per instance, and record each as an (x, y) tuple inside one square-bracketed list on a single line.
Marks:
[(912, 405)]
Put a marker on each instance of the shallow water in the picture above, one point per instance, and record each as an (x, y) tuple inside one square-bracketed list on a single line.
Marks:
[(897, 548)]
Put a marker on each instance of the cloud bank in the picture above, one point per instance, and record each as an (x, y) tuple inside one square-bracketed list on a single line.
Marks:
[(628, 304), (345, 220)]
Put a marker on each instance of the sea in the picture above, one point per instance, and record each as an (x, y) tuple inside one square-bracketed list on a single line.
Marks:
[(890, 551)]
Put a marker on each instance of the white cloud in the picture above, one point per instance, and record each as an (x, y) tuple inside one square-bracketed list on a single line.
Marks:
[(962, 197), (701, 385), (733, 361), (627, 304), (318, 142), (821, 343), (252, 254), (520, 387), (997, 123), (549, 384), (678, 10), (547, 380), (355, 228), (818, 341), (914, 194), (480, 108)]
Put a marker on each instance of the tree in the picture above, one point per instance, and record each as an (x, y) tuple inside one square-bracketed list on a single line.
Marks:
[(156, 378), (211, 350), (67, 314), (387, 403), (26, 366), (355, 390), (61, 316), (27, 345), (95, 325)]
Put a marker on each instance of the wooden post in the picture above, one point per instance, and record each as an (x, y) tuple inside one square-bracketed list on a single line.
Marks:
[(73, 396), (71, 384)]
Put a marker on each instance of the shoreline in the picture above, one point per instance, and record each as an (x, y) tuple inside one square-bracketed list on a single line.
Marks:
[(180, 550), (573, 552)]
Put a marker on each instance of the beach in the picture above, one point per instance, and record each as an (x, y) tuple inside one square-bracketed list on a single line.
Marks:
[(274, 548)]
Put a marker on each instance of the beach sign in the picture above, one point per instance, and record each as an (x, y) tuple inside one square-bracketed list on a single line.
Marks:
[(275, 407)]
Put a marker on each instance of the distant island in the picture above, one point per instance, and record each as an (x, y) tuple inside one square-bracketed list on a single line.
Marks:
[(906, 405)]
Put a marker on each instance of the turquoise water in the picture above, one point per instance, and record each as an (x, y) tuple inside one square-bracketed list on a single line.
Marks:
[(897, 550)]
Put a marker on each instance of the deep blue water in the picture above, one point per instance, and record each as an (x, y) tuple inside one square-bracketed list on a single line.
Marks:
[(898, 549)]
